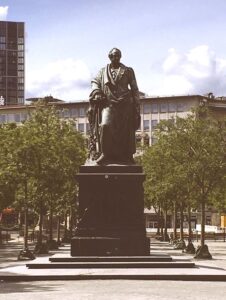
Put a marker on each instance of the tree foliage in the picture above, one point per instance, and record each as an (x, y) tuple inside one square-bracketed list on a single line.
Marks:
[(40, 159), (188, 163)]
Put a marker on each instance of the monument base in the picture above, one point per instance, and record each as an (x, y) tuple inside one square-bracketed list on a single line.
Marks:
[(111, 210)]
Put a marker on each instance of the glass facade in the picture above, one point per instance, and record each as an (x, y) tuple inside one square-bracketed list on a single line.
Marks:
[(12, 62), (146, 125)]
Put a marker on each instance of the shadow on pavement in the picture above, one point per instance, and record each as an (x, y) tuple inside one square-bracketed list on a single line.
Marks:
[(25, 287)]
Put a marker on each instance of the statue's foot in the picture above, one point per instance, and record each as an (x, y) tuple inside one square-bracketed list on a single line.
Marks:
[(102, 160)]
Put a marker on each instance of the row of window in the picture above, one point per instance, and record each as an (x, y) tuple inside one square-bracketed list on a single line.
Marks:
[(12, 72), (147, 124), (11, 53), (13, 80), (12, 46), (11, 60), (20, 40), (73, 112), (146, 141), (20, 117), (164, 107)]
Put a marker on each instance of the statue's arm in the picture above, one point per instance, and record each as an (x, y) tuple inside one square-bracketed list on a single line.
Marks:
[(96, 83), (134, 88)]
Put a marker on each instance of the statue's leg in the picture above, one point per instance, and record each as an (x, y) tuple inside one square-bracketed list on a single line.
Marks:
[(105, 137)]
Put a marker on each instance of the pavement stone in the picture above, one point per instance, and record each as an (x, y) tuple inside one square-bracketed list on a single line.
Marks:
[(115, 289)]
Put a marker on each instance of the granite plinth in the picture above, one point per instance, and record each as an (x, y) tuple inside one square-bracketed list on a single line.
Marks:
[(111, 210)]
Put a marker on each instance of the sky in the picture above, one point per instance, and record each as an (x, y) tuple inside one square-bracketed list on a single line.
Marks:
[(175, 47)]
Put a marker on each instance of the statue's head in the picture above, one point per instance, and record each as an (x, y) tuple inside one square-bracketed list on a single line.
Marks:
[(115, 55)]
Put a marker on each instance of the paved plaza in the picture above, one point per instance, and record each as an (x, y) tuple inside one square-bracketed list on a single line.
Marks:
[(116, 289)]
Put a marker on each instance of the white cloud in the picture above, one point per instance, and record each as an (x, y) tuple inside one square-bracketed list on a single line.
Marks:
[(67, 79), (3, 12), (198, 71)]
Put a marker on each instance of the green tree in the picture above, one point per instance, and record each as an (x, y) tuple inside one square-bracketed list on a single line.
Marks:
[(187, 164)]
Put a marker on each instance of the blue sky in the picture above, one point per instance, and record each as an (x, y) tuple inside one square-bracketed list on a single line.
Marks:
[(175, 46)]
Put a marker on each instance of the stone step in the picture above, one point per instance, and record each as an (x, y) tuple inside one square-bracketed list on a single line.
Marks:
[(112, 265), (155, 258), (170, 277)]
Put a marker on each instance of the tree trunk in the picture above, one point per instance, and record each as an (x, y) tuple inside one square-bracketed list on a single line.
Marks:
[(51, 221), (158, 221), (175, 222), (25, 228), (203, 221), (58, 229), (65, 224), (40, 223), (165, 226), (25, 218), (189, 223), (181, 222), (161, 218), (71, 221)]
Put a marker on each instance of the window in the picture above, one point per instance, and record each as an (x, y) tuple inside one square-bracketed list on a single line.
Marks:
[(81, 112), (66, 113), (2, 39), (87, 127), (20, 60), (154, 123), (163, 107), (10, 118), (2, 118), (20, 67), (181, 106), (20, 74), (17, 118), (2, 46), (146, 125), (20, 40), (20, 47), (172, 107), (74, 112), (81, 127), (12, 53), (20, 93), (147, 108), (20, 54), (154, 108), (20, 80), (21, 100)]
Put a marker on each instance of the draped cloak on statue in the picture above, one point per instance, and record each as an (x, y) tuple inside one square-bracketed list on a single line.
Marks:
[(119, 116)]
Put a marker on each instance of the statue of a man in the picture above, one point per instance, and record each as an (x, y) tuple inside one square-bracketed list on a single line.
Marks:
[(114, 113)]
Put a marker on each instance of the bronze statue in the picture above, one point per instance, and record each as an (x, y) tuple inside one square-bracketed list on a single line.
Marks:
[(114, 113)]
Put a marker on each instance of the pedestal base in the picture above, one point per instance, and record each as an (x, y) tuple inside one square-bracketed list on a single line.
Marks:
[(111, 209)]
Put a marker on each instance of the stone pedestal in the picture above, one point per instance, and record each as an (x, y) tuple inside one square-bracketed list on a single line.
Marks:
[(111, 210)]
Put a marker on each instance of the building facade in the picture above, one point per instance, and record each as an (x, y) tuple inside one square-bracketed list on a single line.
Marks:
[(12, 63), (153, 110)]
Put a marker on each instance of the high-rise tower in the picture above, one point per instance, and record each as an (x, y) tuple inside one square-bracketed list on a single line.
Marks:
[(11, 63)]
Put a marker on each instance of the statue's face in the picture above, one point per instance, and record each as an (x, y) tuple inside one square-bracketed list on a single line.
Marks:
[(115, 57)]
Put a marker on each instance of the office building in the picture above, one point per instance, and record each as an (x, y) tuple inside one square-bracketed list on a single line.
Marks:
[(11, 63)]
